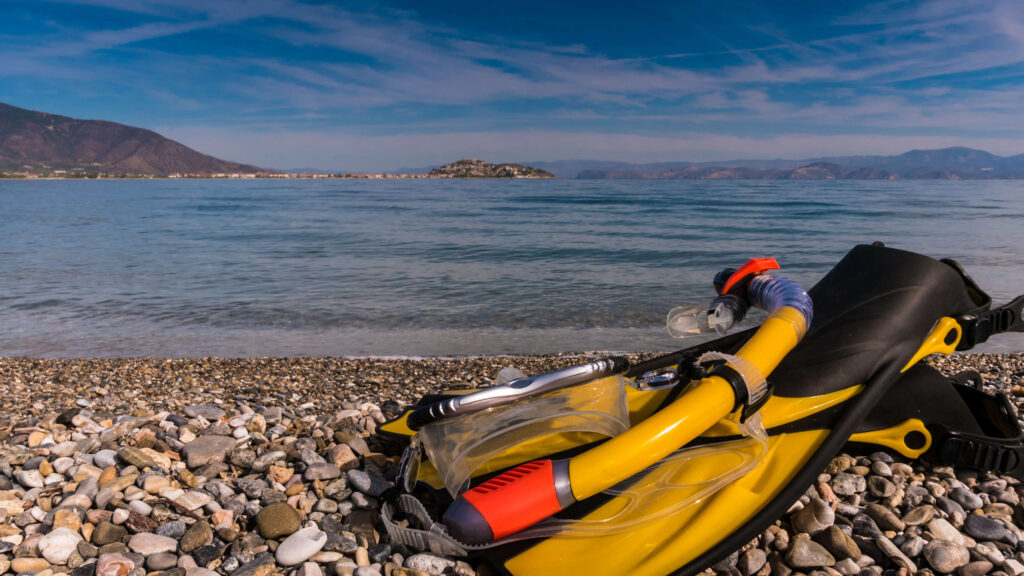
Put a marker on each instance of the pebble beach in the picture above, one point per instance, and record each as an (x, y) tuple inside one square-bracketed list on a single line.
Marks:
[(253, 467)]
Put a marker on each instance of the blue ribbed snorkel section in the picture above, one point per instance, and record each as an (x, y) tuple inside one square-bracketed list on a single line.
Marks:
[(773, 292)]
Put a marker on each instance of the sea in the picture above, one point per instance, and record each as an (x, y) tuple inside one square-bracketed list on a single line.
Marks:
[(253, 268)]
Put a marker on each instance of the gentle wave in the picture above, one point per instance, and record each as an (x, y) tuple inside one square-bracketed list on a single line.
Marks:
[(253, 268)]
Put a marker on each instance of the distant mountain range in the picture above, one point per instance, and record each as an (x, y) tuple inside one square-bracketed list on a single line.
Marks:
[(957, 163), (38, 143), (47, 144)]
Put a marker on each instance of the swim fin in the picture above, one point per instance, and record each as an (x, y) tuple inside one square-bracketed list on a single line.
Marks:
[(854, 377)]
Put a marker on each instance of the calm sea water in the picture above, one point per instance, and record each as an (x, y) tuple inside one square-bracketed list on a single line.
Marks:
[(258, 268)]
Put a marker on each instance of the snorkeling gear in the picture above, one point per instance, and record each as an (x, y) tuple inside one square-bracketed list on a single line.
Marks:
[(684, 458)]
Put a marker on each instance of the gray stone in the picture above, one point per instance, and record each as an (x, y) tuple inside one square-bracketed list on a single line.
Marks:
[(805, 553), (813, 517), (978, 568), (839, 543), (310, 457), (918, 516), (943, 530), (913, 546), (880, 487), (57, 545), (864, 525), (945, 556), (105, 458), (367, 484), (136, 457), (198, 535), (916, 495), (173, 529), (321, 471), (206, 411), (881, 468), (884, 517), (162, 561), (242, 457), (751, 561), (951, 509), (846, 484), (262, 463), (206, 449), (964, 497), (261, 565), (897, 555), (252, 487), (985, 528), (29, 478), (847, 567), (428, 563)]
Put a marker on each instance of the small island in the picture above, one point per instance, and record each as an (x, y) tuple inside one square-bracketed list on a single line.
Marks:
[(473, 168)]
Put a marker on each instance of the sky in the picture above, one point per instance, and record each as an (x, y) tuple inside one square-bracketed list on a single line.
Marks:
[(375, 86)]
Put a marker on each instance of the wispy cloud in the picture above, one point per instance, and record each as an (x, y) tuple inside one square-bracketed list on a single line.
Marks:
[(939, 69)]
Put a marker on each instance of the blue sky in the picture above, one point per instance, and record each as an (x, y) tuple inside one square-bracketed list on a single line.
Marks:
[(367, 86)]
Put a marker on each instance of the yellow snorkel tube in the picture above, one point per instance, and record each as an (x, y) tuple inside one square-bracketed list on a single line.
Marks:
[(536, 490)]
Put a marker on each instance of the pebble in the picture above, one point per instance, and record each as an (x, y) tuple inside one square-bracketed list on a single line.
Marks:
[(985, 528), (206, 411), (884, 517), (198, 535), (367, 484), (277, 520), (813, 517), (943, 530), (897, 555), (162, 561), (147, 544), (978, 568), (918, 516), (322, 471), (846, 484), (135, 459), (839, 543), (301, 546), (805, 553), (967, 499), (114, 564), (174, 529), (57, 545), (945, 556), (29, 478), (433, 565), (751, 561), (206, 449), (28, 564), (108, 533)]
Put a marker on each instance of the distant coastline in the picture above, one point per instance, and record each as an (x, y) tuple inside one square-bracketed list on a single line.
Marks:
[(465, 168), (39, 145)]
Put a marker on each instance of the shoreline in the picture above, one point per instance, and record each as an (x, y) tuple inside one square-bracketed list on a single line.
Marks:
[(38, 385), (209, 467)]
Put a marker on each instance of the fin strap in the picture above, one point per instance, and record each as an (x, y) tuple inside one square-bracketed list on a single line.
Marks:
[(1001, 454), (978, 327)]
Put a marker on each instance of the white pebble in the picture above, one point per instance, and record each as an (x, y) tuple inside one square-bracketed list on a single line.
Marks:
[(301, 546), (120, 516)]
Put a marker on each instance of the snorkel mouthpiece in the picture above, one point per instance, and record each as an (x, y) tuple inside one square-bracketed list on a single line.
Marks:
[(510, 502)]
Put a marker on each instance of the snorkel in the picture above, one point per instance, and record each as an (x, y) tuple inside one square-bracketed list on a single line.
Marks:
[(531, 492)]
